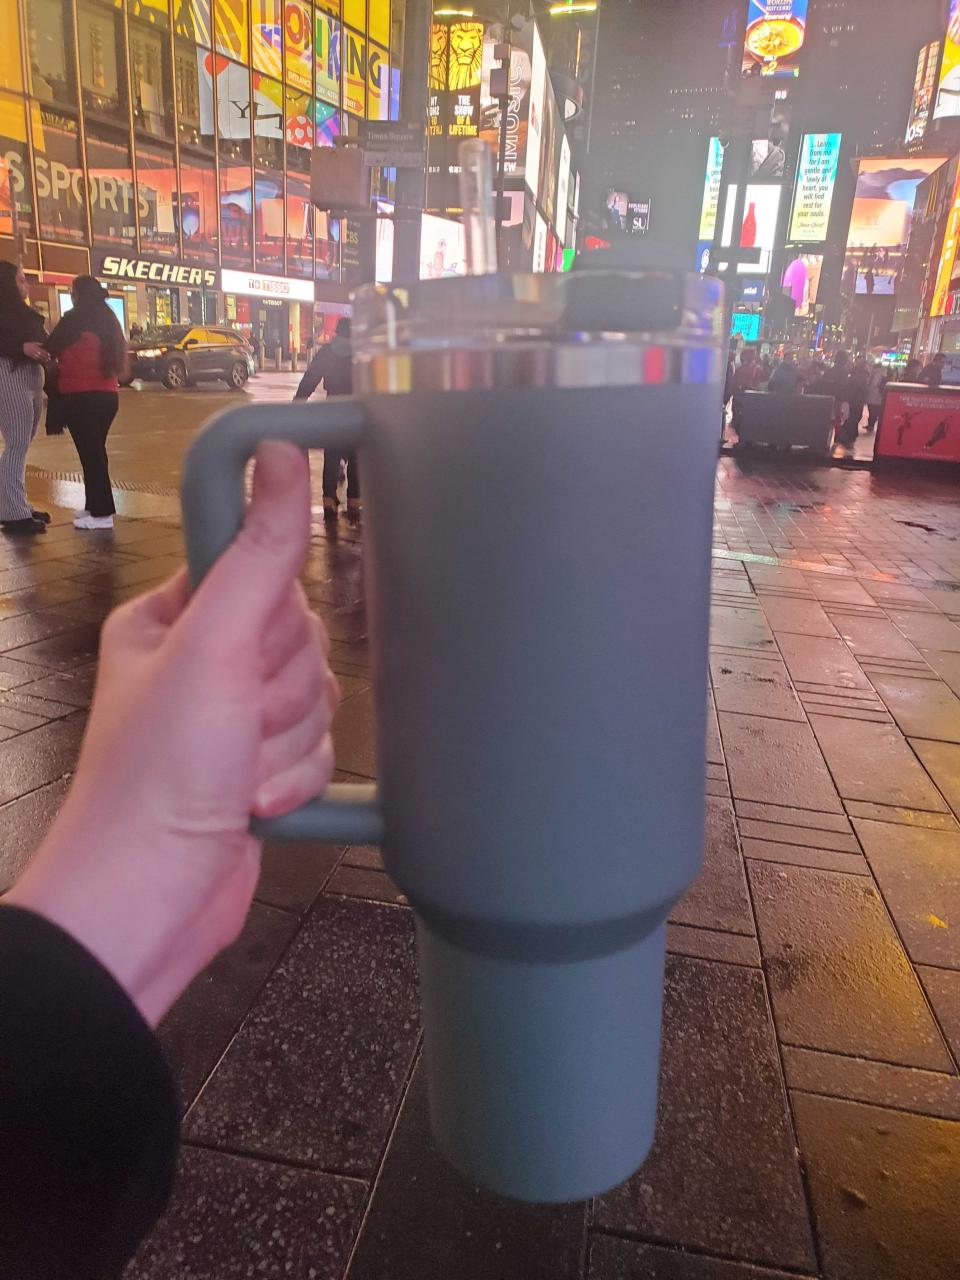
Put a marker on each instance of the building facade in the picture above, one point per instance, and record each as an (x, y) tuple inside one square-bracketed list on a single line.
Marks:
[(164, 146)]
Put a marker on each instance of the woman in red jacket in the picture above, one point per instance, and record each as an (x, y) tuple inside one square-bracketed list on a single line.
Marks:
[(92, 353)]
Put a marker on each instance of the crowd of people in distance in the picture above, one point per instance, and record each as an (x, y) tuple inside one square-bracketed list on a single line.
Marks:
[(855, 383)]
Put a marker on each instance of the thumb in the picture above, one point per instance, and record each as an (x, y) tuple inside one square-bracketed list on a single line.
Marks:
[(253, 577)]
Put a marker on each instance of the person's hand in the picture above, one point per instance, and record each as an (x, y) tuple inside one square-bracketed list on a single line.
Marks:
[(36, 351), (205, 709)]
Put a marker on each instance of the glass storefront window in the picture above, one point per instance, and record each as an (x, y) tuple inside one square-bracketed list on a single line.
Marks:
[(299, 226), (327, 236), (298, 37), (151, 78), (354, 72), (50, 51), (157, 181), (267, 18), (102, 74), (197, 207), (299, 128), (156, 12), (236, 222), (191, 19), (327, 50), (59, 173), (230, 29), (194, 86), (267, 122), (269, 222), (233, 109), (112, 213), (14, 168), (326, 125)]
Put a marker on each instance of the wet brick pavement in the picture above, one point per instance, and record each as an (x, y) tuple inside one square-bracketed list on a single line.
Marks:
[(810, 1099)]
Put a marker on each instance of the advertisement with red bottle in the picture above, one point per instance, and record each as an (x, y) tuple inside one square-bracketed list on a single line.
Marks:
[(917, 423)]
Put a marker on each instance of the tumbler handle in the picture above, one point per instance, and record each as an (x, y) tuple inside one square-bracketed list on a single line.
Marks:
[(214, 503)]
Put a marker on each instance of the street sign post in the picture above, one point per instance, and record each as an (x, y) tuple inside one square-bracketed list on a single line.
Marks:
[(393, 144)]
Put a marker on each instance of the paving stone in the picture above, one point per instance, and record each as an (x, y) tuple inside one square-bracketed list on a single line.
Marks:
[(710, 944), (26, 628), (770, 575), (875, 638), (133, 572), (942, 761), (23, 824), (918, 872), (714, 749), (839, 979), (922, 708), (946, 665), (201, 1024), (427, 1222), (232, 1217), (43, 709), (722, 1176), (316, 1071), (790, 833), (353, 736), (615, 1259), (44, 596), (905, 1088), (894, 591), (740, 628), (943, 991), (775, 762), (810, 818), (754, 685), (873, 762), (884, 1186), (927, 630), (64, 650), (362, 882), (906, 817), (717, 899), (74, 686), (13, 674), (33, 759), (806, 856), (293, 872), (802, 617), (363, 856), (820, 660)]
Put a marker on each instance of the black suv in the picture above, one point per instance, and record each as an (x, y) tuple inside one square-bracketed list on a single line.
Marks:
[(180, 354)]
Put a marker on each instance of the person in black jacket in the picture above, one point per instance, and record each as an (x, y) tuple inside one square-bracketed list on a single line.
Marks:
[(333, 366), (21, 386), (206, 709)]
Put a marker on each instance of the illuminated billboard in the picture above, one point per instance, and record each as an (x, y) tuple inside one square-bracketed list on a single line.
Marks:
[(758, 228), (923, 89), (535, 127), (442, 248), (948, 88), (948, 255), (880, 221), (776, 30), (711, 191), (801, 280), (816, 179)]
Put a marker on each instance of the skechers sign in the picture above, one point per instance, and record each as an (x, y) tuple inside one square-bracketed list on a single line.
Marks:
[(155, 271)]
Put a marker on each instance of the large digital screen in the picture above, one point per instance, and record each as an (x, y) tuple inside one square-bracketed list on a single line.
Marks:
[(711, 191), (948, 255), (535, 126), (801, 280), (776, 30), (816, 179), (518, 84), (758, 227), (746, 324), (948, 87), (923, 89), (442, 248), (880, 221)]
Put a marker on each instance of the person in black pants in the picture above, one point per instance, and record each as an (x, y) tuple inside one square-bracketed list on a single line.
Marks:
[(147, 872), (333, 366), (92, 354)]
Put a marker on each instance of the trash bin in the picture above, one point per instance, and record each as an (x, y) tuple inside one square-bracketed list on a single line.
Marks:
[(539, 456)]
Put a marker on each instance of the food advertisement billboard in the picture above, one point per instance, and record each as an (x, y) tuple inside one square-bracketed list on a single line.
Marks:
[(919, 424), (816, 179), (923, 90), (880, 221), (758, 227), (801, 280), (776, 30), (948, 87), (711, 191)]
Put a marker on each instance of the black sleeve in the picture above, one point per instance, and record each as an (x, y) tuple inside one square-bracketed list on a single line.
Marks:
[(20, 327), (314, 375), (63, 336), (89, 1114)]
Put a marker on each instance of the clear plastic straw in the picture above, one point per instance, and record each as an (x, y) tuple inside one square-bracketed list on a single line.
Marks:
[(476, 196)]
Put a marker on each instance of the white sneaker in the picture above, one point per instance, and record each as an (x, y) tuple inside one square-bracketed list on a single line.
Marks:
[(93, 522), (79, 515)]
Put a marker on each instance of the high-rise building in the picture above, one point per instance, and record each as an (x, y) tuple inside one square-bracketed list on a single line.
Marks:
[(164, 145)]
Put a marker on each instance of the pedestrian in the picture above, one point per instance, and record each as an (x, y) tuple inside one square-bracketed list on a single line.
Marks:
[(749, 374), (932, 375), (146, 873), (136, 332), (92, 356), (912, 371), (878, 380), (333, 366), (785, 379), (21, 383), (858, 388)]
